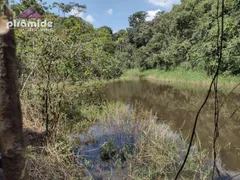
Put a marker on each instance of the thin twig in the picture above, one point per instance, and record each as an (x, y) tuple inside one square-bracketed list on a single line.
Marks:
[(194, 127), (214, 82), (234, 112), (217, 112), (226, 98), (233, 176)]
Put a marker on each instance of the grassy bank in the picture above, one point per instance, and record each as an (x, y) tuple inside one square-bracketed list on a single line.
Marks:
[(158, 151), (51, 156), (181, 78)]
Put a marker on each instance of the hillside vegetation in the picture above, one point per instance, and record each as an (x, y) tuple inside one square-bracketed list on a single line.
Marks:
[(184, 37)]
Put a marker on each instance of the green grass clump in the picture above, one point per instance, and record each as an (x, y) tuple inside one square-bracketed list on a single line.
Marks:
[(158, 152)]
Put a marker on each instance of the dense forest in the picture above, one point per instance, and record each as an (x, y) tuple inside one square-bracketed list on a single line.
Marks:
[(184, 37), (63, 71)]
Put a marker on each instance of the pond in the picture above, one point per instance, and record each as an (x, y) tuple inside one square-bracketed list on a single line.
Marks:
[(178, 107), (104, 150)]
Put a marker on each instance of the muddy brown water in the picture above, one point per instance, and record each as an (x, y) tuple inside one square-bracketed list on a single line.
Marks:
[(178, 107)]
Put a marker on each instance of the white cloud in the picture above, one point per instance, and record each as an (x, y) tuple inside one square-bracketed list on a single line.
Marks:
[(89, 18), (110, 11), (75, 12), (152, 14), (164, 3)]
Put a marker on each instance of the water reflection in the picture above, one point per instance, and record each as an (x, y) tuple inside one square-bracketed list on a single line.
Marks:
[(103, 150), (179, 107)]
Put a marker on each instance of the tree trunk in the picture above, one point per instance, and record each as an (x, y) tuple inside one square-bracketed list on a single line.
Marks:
[(11, 129)]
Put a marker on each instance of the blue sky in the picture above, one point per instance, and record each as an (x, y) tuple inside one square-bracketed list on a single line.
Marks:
[(115, 13)]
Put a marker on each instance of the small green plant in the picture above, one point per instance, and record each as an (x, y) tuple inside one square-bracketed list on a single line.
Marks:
[(109, 151)]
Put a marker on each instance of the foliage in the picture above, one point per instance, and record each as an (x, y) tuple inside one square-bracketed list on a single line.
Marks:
[(66, 8), (39, 6), (49, 60), (184, 37)]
